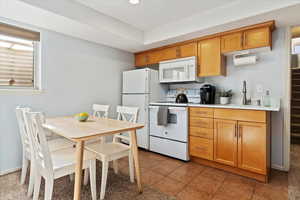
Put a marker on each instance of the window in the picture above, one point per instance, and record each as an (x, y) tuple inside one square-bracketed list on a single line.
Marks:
[(19, 52)]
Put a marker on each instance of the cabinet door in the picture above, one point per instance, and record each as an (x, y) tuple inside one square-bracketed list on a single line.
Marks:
[(254, 38), (141, 59), (188, 50), (232, 42), (225, 142), (169, 53), (155, 56), (209, 58), (252, 147)]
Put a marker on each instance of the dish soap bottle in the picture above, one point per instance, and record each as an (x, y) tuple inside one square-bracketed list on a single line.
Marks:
[(267, 99)]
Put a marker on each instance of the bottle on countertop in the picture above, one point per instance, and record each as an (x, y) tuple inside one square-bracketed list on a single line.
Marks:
[(267, 99)]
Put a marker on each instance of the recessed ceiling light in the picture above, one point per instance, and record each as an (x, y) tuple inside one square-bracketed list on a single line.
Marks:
[(134, 2)]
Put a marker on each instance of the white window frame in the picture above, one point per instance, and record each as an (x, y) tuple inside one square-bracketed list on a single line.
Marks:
[(37, 76)]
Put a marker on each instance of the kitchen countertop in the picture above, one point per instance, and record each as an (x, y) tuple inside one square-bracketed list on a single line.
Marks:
[(229, 106)]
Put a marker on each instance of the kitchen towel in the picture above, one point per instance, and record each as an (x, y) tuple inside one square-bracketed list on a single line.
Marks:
[(162, 116)]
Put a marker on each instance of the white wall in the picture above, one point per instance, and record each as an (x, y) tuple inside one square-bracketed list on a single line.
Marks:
[(269, 72), (75, 74)]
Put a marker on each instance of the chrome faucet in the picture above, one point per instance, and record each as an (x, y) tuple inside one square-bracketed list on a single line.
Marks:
[(245, 100)]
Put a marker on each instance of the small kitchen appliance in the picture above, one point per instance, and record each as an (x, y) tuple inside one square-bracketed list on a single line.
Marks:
[(207, 94), (181, 98)]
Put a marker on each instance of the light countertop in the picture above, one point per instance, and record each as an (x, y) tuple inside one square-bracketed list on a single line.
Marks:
[(229, 106)]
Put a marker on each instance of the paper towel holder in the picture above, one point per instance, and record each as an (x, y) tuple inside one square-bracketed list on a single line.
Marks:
[(244, 58)]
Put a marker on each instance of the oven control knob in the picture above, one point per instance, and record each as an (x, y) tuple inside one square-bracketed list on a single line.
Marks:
[(166, 132)]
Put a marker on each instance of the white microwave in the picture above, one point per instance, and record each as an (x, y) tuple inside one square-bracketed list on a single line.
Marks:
[(179, 70)]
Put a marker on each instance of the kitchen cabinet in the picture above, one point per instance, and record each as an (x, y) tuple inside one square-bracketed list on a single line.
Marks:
[(187, 50), (141, 59), (225, 142), (180, 51), (201, 147), (258, 37), (169, 53), (252, 147), (210, 60), (236, 140), (154, 57), (201, 132), (208, 49), (232, 42)]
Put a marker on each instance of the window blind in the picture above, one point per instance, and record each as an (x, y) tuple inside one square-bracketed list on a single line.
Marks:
[(16, 64), (18, 32), (17, 54)]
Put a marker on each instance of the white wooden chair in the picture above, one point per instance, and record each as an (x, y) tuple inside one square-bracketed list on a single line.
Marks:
[(102, 112), (115, 150), (56, 164), (55, 144)]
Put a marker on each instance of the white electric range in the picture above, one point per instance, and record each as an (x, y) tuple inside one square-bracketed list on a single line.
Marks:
[(171, 139)]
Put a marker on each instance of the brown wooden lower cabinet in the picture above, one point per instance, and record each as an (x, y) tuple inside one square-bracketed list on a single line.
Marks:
[(201, 147), (237, 146), (225, 142), (252, 147)]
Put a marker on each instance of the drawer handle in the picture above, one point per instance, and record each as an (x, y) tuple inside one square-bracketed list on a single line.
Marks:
[(202, 112), (201, 148)]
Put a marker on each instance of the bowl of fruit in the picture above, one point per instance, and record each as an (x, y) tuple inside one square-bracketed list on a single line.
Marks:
[(82, 117)]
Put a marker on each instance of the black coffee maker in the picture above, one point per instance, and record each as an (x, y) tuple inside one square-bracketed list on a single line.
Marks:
[(207, 94)]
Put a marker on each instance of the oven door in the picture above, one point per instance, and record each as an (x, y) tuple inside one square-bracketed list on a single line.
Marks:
[(177, 127)]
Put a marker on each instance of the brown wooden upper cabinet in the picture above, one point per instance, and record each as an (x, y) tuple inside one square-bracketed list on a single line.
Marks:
[(248, 39), (181, 51), (259, 37), (232, 42), (210, 60), (155, 56), (188, 50), (141, 59), (209, 50)]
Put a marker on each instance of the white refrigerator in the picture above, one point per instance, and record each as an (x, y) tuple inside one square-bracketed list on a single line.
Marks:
[(140, 87)]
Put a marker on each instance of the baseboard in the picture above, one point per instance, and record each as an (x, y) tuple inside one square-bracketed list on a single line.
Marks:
[(278, 167), (10, 171)]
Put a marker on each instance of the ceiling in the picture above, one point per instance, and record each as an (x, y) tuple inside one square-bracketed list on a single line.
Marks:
[(153, 23), (151, 14)]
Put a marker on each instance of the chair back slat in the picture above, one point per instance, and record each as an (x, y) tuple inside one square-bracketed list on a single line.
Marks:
[(23, 127), (100, 110), (41, 153), (126, 113)]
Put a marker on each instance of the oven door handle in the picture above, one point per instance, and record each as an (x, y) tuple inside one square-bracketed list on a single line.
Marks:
[(178, 108)]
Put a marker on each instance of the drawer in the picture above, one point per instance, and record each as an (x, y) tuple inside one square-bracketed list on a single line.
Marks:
[(201, 112), (201, 148), (241, 115), (169, 147), (201, 122), (202, 132)]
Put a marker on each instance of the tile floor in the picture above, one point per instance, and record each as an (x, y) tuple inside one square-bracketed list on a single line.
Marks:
[(294, 173), (190, 181)]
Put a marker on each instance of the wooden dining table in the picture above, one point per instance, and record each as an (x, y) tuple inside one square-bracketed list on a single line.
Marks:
[(79, 132)]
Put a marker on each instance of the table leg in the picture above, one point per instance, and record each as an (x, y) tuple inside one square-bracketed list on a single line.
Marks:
[(136, 159), (78, 169)]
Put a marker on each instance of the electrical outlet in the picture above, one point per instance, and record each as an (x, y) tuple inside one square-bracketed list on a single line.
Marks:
[(259, 88)]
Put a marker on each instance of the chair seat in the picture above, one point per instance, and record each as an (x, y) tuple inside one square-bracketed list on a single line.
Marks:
[(107, 149), (67, 157), (59, 143)]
